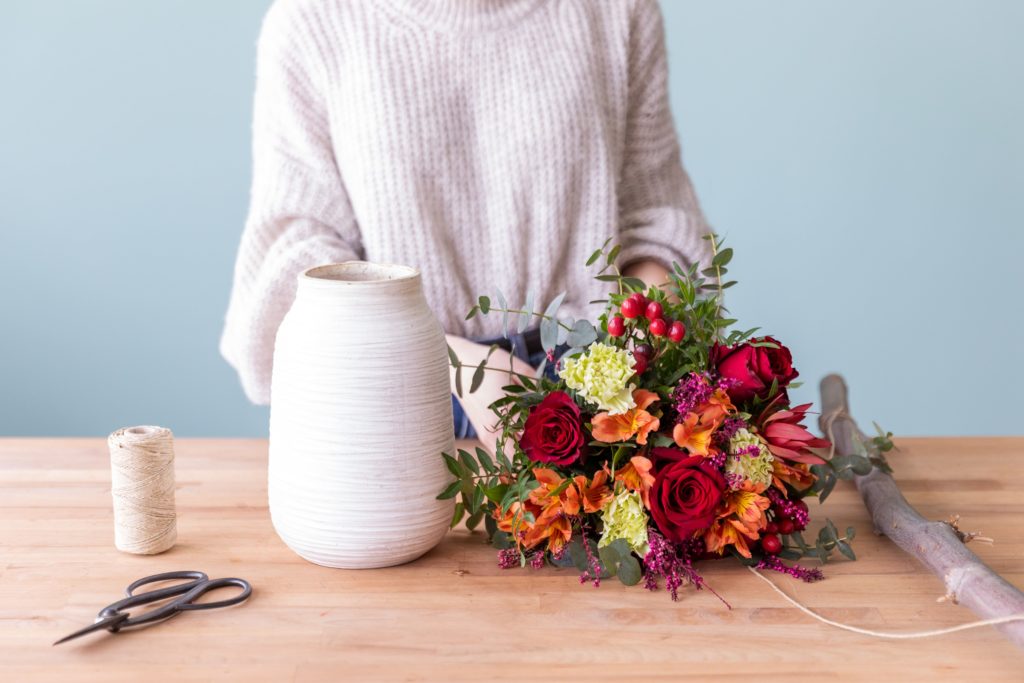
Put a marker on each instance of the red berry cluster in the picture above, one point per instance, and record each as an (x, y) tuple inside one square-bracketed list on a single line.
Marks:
[(637, 305), (789, 516)]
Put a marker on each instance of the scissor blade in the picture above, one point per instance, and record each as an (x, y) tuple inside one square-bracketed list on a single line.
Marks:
[(100, 624)]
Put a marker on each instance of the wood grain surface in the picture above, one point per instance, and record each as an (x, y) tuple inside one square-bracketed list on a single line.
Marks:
[(453, 615)]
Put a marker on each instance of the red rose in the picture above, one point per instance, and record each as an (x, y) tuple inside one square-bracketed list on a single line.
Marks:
[(554, 432), (686, 494), (787, 438), (753, 368)]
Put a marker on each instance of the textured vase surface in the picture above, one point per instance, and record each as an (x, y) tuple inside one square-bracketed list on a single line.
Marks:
[(360, 414)]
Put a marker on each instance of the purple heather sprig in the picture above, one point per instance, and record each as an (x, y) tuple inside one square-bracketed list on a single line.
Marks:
[(508, 558), (729, 427), (674, 562), (692, 391), (789, 508), (810, 575)]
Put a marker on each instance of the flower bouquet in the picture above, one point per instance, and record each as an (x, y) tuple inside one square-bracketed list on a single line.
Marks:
[(663, 437)]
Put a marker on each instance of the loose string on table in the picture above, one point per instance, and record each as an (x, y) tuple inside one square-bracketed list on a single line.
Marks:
[(142, 486), (995, 621)]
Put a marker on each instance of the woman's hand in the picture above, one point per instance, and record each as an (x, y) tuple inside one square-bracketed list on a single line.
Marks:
[(651, 272), (476, 404)]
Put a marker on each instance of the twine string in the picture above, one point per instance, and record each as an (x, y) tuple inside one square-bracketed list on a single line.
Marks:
[(909, 635), (142, 487)]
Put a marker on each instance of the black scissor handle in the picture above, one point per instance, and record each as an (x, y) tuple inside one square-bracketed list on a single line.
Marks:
[(190, 591), (167, 576), (188, 601)]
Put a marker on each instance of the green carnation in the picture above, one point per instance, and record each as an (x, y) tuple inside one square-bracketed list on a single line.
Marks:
[(624, 517), (749, 458), (600, 376)]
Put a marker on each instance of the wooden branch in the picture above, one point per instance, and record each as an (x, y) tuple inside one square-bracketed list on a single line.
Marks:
[(939, 546)]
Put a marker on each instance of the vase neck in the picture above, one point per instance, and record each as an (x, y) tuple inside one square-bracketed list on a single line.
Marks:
[(366, 284)]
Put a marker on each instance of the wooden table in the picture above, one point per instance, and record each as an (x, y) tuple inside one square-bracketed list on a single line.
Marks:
[(453, 615)]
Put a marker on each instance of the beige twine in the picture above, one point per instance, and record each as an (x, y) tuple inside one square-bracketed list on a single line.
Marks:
[(882, 634), (142, 485)]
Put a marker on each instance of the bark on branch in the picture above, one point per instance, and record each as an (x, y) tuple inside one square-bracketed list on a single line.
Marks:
[(939, 546)]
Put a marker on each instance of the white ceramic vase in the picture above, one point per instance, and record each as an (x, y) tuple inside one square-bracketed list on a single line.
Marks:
[(360, 414)]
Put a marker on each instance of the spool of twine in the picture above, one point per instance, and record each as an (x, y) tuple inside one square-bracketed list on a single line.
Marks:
[(142, 486)]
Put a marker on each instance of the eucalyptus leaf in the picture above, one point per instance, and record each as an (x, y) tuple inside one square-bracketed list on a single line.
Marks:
[(502, 541), (583, 334), (629, 571), (609, 560), (504, 313), (621, 546), (527, 315), (578, 554), (564, 329), (549, 334)]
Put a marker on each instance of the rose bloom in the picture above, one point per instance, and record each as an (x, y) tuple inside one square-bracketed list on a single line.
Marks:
[(686, 494), (554, 431), (752, 368)]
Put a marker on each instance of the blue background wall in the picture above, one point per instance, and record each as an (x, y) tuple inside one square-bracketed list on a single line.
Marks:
[(866, 160)]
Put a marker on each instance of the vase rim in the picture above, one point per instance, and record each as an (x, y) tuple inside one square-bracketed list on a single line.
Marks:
[(355, 273)]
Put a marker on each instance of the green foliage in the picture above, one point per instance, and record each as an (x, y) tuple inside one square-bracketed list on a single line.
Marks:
[(479, 486), (618, 560), (827, 542), (487, 486)]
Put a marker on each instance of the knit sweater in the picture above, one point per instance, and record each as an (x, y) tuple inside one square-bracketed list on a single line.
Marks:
[(492, 144)]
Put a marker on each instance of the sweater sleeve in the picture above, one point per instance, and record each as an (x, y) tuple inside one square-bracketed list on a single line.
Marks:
[(299, 213), (660, 218)]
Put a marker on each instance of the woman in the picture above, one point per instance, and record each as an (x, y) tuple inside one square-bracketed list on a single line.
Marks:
[(493, 144)]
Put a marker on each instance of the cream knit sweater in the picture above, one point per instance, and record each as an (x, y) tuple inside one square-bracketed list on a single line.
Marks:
[(493, 144)]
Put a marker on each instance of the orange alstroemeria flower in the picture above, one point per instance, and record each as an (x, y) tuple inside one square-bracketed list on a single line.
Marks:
[(716, 409), (591, 496), (693, 436), (554, 523), (694, 432), (518, 520), (797, 475), (636, 475), (634, 422), (742, 518)]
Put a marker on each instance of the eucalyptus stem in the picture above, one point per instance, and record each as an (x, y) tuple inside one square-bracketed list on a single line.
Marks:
[(534, 313)]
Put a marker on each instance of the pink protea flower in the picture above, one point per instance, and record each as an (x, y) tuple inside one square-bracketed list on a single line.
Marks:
[(786, 436)]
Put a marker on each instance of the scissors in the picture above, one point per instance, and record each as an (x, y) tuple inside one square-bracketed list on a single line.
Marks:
[(114, 618)]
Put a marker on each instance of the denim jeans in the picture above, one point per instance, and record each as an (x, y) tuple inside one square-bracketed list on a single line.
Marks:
[(463, 428)]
